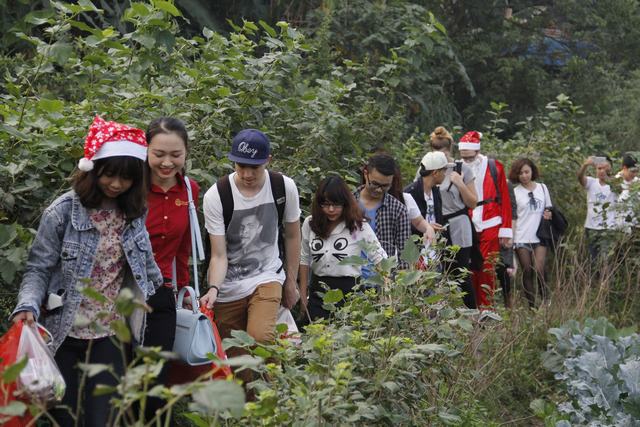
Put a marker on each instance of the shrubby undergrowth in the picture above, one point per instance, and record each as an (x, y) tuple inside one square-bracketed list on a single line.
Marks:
[(410, 356), (600, 367)]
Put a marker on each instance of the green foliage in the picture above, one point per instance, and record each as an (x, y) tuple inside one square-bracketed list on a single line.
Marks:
[(599, 365)]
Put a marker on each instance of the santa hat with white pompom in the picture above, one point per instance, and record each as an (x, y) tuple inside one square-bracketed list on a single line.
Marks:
[(110, 139)]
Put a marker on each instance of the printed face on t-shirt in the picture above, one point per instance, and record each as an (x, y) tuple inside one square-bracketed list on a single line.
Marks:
[(249, 229), (251, 240)]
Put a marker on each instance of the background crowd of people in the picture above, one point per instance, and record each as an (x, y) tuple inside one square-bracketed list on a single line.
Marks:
[(125, 223)]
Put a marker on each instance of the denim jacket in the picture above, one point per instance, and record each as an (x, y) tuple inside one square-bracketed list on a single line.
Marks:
[(62, 255)]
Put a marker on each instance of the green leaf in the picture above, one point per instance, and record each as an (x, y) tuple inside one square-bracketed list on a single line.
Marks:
[(15, 408), (245, 361), (40, 17), (51, 105), (140, 9), (333, 296), (10, 374), (13, 132), (355, 260), (94, 294), (269, 29), (262, 352), (122, 330), (102, 390), (411, 252), (217, 396), (167, 7), (93, 369), (8, 271), (8, 233), (196, 418), (145, 40), (61, 52), (165, 38), (223, 91), (449, 419), (238, 339)]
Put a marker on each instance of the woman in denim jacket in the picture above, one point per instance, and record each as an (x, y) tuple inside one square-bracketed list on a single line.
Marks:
[(92, 236)]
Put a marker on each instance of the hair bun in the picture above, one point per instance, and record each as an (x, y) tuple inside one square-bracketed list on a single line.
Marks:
[(441, 133)]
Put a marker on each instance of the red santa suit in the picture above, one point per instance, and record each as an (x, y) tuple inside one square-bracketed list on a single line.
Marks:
[(491, 218)]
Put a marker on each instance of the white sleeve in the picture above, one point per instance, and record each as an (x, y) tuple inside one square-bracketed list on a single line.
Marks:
[(412, 206), (547, 197), (212, 209), (370, 236), (305, 253), (292, 206), (590, 181)]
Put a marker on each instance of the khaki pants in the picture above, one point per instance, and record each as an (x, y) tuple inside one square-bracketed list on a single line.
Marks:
[(255, 313)]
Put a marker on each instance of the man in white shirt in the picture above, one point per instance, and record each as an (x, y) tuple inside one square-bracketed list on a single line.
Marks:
[(600, 220), (247, 279), (628, 199)]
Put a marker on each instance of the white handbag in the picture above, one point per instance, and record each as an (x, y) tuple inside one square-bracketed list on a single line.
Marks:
[(194, 332)]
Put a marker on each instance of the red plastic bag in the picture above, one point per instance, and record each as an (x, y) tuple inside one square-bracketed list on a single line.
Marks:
[(9, 343), (224, 371), (180, 373)]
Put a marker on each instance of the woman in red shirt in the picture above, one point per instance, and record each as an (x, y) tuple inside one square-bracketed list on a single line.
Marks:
[(168, 226)]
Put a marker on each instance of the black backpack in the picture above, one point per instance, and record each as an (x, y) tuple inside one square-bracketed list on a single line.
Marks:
[(226, 198)]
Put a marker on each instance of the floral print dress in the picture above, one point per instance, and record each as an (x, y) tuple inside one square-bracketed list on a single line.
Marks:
[(107, 276)]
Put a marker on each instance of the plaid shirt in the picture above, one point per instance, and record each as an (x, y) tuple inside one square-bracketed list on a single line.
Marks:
[(393, 227)]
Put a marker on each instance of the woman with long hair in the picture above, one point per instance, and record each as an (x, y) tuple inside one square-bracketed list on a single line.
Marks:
[(93, 236), (533, 201), (335, 230), (169, 231)]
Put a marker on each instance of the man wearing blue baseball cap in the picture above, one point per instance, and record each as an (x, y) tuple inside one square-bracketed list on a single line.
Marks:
[(246, 213)]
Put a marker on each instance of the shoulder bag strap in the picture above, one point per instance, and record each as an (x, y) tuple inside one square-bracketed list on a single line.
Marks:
[(493, 170), (197, 249), (226, 198), (279, 193)]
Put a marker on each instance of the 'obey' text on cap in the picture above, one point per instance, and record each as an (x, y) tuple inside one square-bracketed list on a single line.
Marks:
[(251, 147)]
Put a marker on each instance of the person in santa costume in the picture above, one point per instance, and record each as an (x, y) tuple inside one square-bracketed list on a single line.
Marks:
[(492, 215)]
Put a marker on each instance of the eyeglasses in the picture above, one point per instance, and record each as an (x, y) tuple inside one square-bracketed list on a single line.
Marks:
[(329, 205), (374, 185)]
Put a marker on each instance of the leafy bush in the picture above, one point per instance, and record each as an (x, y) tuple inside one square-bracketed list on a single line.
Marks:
[(599, 366)]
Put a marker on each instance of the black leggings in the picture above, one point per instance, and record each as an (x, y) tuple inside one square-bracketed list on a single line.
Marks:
[(532, 261), (96, 410), (462, 261), (160, 332)]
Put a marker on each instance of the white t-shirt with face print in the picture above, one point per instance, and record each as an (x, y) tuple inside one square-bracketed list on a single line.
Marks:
[(324, 255), (252, 236)]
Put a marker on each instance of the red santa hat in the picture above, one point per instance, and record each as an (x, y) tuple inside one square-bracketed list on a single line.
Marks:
[(470, 141), (110, 139)]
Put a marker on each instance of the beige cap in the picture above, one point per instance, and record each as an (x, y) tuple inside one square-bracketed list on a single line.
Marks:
[(434, 160)]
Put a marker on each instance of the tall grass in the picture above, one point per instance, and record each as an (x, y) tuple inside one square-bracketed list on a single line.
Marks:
[(505, 356)]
